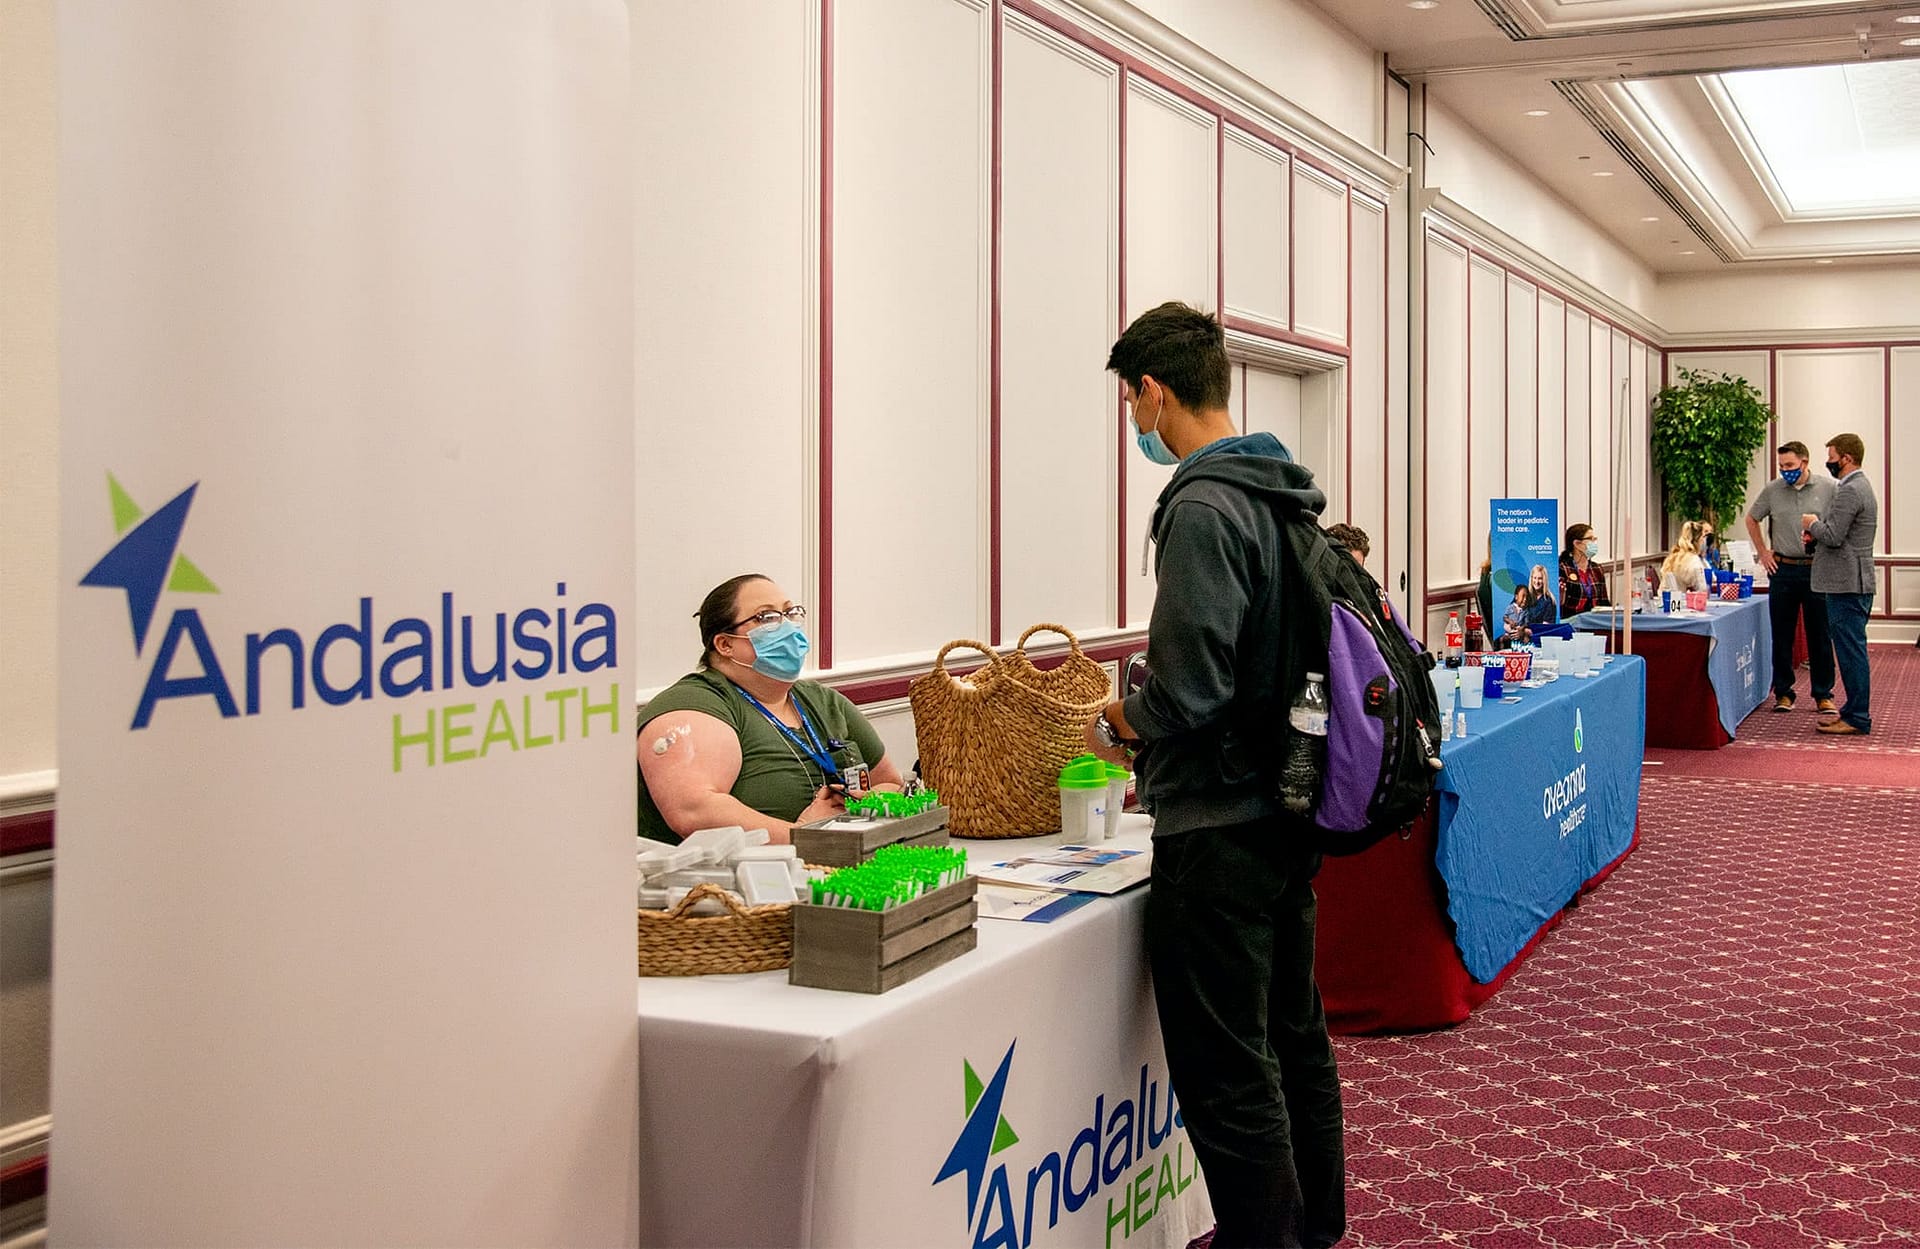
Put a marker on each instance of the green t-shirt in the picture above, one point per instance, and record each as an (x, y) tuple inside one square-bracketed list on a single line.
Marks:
[(776, 777)]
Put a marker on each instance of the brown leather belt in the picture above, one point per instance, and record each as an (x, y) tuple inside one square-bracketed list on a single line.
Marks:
[(1794, 559)]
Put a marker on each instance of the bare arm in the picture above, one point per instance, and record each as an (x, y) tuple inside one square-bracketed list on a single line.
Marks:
[(690, 761), (1761, 547)]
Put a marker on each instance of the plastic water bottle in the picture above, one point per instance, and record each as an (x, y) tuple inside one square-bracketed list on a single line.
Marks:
[(1306, 758)]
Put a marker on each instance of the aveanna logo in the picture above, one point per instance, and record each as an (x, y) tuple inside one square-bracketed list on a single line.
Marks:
[(1579, 732), (339, 664), (1133, 1130)]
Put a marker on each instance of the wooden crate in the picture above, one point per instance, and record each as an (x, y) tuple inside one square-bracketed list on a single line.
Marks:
[(843, 847), (873, 951)]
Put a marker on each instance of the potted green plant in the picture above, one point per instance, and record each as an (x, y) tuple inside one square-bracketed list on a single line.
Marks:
[(1705, 431)]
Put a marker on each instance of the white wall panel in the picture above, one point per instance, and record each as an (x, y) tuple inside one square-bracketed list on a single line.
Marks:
[(1823, 393), (1576, 501), (1903, 595), (1319, 255), (1602, 396), (1171, 254), (1272, 405), (1903, 458), (1366, 498), (1059, 248), (910, 324), (1640, 361), (1551, 427), (1255, 176), (725, 296), (1523, 387), (1487, 404), (1446, 414), (1753, 366)]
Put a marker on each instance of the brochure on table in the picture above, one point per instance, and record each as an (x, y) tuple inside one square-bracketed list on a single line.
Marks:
[(1080, 869)]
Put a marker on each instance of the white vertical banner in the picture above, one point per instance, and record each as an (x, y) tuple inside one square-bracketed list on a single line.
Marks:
[(344, 933)]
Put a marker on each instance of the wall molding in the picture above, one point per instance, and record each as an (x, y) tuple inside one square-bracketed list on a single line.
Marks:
[(27, 793)]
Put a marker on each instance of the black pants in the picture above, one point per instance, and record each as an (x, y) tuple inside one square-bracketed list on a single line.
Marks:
[(1230, 937), (1789, 594)]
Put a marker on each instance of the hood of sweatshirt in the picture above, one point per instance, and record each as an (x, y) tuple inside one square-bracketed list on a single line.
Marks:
[(1287, 486)]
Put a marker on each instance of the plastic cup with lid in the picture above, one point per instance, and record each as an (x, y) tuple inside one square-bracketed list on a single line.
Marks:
[(1083, 800)]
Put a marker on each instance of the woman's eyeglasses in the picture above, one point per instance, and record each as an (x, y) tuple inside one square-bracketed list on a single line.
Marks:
[(796, 613)]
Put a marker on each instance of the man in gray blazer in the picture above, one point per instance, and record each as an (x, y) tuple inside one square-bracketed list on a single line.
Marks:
[(1843, 572)]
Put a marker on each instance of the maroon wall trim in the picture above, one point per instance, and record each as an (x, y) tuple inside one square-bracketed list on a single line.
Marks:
[(1120, 285), (824, 627), (993, 346), (26, 834)]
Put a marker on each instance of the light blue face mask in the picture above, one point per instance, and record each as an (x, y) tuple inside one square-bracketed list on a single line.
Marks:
[(1791, 476), (779, 650), (1152, 445)]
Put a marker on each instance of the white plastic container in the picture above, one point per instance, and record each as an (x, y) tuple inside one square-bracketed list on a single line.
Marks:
[(1116, 802), (763, 882), (1083, 815), (1472, 690), (674, 859), (719, 843), (761, 854)]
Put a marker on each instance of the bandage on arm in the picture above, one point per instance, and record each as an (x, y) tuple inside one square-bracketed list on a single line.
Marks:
[(690, 761)]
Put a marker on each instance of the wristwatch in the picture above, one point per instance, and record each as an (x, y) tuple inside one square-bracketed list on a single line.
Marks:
[(1108, 735)]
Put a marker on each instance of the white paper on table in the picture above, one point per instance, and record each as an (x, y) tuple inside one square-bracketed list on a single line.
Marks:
[(1081, 869)]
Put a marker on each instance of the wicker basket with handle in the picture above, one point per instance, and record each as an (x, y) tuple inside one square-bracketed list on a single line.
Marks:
[(747, 938), (993, 742)]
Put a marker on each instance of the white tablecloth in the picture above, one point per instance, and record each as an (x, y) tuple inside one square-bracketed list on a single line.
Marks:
[(775, 1115)]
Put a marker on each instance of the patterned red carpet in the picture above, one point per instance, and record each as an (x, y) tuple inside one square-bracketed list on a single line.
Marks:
[(1720, 1047)]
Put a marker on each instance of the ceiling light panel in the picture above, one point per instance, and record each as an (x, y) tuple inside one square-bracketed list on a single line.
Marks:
[(1839, 140)]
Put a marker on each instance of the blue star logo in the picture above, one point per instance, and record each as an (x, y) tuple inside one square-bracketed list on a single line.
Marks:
[(146, 560), (986, 1133)]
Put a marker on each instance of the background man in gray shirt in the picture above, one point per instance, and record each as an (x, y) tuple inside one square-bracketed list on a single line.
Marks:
[(1843, 571), (1783, 501)]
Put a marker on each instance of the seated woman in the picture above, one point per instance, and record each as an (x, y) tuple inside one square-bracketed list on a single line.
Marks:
[(743, 740), (1532, 607), (1583, 586), (1684, 569)]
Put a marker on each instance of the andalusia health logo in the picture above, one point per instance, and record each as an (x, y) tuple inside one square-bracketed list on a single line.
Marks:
[(356, 660), (1006, 1203)]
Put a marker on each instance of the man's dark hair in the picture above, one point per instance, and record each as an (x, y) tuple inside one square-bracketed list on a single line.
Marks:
[(719, 611), (1796, 447), (1850, 446), (1180, 347), (1353, 537)]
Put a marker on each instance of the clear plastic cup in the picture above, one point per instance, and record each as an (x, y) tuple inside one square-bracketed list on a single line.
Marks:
[(1471, 693), (1444, 680)]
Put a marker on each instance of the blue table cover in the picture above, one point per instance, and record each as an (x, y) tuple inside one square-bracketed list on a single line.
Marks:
[(1540, 796), (1739, 649)]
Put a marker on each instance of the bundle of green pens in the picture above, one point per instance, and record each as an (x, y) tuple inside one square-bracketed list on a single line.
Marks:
[(885, 804), (894, 876)]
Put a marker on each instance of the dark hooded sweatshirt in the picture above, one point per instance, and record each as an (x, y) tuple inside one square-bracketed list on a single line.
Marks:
[(1209, 710)]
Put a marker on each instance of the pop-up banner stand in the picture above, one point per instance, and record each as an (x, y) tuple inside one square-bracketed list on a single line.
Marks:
[(344, 934)]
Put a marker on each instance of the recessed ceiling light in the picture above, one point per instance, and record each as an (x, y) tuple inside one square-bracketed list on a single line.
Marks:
[(1687, 253), (1823, 262), (1649, 218), (1423, 4), (1603, 173), (1910, 43), (1536, 112), (1908, 19)]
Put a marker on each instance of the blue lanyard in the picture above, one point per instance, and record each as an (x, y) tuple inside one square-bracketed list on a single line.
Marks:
[(815, 749)]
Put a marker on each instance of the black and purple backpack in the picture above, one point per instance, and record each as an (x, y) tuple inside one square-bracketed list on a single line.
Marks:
[(1383, 727)]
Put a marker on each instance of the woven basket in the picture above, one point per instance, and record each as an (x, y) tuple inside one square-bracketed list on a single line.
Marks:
[(748, 938), (993, 743)]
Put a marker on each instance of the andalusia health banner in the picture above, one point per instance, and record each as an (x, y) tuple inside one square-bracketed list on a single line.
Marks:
[(344, 936)]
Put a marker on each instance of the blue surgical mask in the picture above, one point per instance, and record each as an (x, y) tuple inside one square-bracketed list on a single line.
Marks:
[(779, 650), (1152, 445), (1593, 547), (1791, 476)]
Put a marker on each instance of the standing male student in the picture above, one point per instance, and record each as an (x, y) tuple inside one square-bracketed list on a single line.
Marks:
[(1782, 503), (1230, 918), (1843, 572)]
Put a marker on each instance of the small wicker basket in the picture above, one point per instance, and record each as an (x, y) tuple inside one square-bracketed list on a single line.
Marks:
[(747, 938)]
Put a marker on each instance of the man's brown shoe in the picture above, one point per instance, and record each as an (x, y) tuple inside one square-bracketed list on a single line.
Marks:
[(1825, 707), (1837, 727), (1783, 702)]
